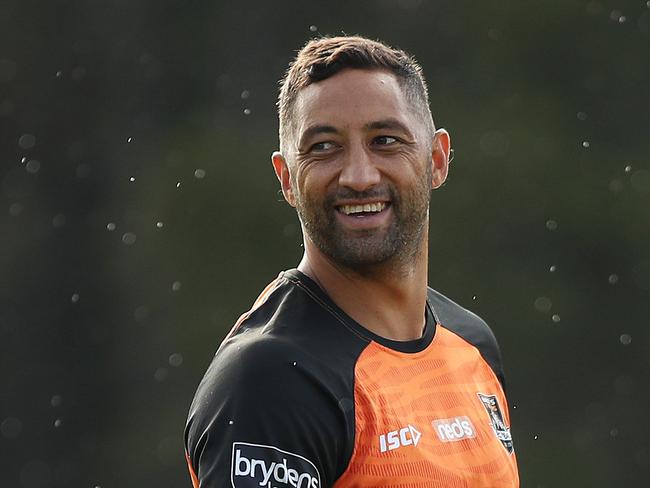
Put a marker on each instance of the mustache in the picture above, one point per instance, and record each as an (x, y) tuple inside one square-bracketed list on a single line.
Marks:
[(381, 193)]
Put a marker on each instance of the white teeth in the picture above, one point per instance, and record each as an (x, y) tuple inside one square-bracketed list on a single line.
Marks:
[(368, 207)]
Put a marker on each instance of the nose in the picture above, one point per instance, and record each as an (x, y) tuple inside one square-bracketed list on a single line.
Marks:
[(359, 173)]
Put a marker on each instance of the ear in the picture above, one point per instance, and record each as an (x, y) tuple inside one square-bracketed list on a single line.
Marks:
[(284, 177), (440, 150)]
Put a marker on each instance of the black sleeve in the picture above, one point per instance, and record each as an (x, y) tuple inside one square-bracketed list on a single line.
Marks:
[(471, 328), (260, 417)]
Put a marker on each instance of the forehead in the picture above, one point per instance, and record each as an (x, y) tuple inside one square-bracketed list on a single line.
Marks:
[(351, 98)]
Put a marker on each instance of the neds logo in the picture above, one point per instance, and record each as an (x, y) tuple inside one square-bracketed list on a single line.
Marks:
[(257, 465), (454, 429)]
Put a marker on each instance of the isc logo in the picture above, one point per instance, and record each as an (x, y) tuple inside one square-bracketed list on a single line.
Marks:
[(404, 437), (454, 429)]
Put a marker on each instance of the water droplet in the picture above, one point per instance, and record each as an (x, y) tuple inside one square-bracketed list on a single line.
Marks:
[(57, 423), (247, 111), (128, 238), (176, 285), (111, 226), (159, 225), (514, 407), (585, 143), (230, 422), (59, 74), (58, 220), (245, 94), (129, 139), (15, 209), (625, 339), (612, 279), (141, 313), (628, 168), (160, 375), (473, 297), (313, 28), (178, 184), (551, 225), (56, 401), (132, 179), (199, 173), (553, 268), (555, 318), (535, 437), (33, 166), (543, 304), (621, 19), (581, 116), (613, 432), (11, 427), (27, 141), (23, 160), (294, 363), (176, 359), (75, 298)]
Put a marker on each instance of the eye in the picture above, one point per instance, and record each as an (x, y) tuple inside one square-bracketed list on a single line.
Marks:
[(385, 140), (322, 146)]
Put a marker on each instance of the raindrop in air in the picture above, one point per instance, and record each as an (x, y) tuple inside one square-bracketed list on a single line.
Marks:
[(581, 116), (247, 111), (552, 269), (178, 184), (57, 423), (111, 226), (612, 279), (59, 74), (613, 432), (176, 360), (11, 427), (551, 225), (58, 220), (27, 141), (160, 374), (128, 238), (543, 304), (628, 169), (625, 339), (176, 285), (313, 28), (132, 179), (555, 318), (23, 160), (129, 139), (294, 363), (15, 209), (56, 401), (230, 422), (473, 297), (33, 166), (585, 143), (159, 225), (535, 437), (621, 19), (199, 173), (75, 298), (245, 94)]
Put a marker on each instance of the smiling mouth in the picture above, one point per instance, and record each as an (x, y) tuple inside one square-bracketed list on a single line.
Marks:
[(363, 209)]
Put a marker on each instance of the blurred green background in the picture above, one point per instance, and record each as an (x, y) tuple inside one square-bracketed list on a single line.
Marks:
[(139, 216)]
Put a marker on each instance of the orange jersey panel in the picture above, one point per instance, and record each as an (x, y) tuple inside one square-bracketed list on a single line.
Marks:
[(429, 419)]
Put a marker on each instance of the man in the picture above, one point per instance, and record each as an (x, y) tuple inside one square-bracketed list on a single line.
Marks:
[(349, 371)]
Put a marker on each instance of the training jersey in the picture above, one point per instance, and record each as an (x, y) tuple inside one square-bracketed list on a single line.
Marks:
[(299, 395)]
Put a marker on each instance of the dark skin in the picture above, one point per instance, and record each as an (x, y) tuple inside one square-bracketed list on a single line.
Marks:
[(359, 169)]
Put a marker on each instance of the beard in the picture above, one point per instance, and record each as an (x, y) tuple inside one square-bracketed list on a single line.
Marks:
[(361, 250)]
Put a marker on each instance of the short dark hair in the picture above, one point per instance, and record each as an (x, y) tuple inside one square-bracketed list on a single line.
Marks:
[(322, 58)]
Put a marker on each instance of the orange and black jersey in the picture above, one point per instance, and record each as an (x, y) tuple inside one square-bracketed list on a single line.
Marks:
[(299, 395)]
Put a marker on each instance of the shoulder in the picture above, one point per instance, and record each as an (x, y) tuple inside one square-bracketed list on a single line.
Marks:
[(470, 327)]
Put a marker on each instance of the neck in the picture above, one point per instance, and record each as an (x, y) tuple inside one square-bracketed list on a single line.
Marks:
[(388, 299)]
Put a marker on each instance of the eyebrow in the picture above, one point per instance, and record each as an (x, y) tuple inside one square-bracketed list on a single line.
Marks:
[(389, 123)]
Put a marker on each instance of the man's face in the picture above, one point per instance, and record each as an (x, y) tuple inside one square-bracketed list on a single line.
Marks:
[(361, 168)]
